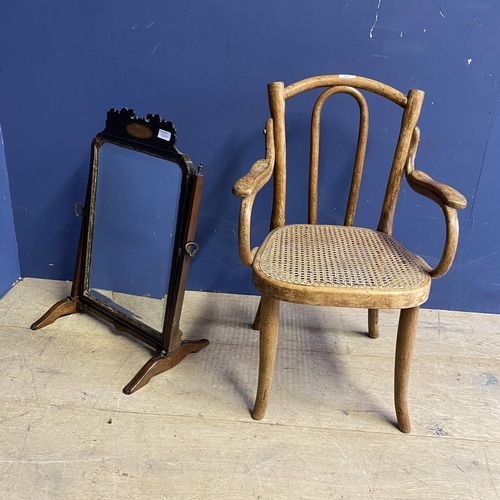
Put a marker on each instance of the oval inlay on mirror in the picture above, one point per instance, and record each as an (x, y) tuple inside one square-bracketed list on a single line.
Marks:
[(138, 130)]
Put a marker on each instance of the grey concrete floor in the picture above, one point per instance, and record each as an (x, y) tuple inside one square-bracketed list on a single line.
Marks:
[(68, 432)]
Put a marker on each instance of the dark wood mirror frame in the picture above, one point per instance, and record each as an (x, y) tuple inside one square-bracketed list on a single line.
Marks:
[(156, 137)]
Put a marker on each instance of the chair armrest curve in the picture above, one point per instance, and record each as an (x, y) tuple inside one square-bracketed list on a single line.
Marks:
[(256, 178), (441, 193), (247, 188), (446, 197), (261, 170)]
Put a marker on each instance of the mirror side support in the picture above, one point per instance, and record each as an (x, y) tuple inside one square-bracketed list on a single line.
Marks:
[(176, 348)]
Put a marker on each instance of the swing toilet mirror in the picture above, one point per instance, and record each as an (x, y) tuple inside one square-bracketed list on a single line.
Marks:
[(136, 240)]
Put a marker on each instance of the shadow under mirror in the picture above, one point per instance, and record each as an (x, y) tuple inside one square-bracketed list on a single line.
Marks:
[(133, 234)]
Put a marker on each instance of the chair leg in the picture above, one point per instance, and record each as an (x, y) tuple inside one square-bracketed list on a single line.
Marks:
[(256, 321), (373, 323), (407, 329), (269, 325)]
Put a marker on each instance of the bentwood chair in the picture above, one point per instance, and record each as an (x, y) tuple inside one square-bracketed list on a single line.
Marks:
[(343, 266)]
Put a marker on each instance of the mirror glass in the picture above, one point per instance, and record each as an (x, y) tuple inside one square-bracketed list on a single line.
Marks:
[(135, 217)]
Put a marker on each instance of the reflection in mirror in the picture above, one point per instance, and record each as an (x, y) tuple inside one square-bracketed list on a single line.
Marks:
[(134, 226)]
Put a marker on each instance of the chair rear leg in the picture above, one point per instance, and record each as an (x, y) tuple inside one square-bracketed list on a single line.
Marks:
[(407, 329), (269, 326), (256, 321), (373, 323)]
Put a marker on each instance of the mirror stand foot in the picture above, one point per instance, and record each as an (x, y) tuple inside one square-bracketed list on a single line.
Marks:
[(164, 362), (61, 308)]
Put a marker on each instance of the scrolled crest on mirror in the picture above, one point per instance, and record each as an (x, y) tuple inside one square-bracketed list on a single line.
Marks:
[(137, 235), (152, 130)]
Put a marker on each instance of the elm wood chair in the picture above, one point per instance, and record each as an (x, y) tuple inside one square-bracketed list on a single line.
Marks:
[(343, 266)]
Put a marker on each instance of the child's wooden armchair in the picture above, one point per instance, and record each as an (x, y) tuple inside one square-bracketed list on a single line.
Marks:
[(342, 266)]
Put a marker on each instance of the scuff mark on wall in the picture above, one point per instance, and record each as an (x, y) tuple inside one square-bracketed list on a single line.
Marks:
[(376, 19), (480, 174), (441, 9), (149, 57)]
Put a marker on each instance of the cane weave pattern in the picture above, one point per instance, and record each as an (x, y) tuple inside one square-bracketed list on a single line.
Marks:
[(339, 256)]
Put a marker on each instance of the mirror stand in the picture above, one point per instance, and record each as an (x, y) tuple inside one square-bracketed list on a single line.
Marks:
[(122, 155)]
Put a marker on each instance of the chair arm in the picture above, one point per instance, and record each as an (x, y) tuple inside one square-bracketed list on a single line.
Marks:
[(247, 188), (246, 253), (441, 193), (450, 244), (261, 170), (446, 197)]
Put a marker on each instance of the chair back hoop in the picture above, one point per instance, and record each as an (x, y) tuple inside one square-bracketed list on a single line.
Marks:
[(347, 84)]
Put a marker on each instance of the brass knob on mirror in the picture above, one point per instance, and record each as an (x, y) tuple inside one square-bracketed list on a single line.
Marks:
[(192, 248), (78, 208)]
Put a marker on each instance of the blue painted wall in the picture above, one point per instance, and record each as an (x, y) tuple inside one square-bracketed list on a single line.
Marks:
[(205, 66), (9, 259)]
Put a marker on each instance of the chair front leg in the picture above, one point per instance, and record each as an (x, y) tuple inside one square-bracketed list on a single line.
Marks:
[(269, 326), (407, 329)]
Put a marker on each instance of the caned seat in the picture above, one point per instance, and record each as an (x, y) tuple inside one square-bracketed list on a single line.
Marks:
[(322, 263), (342, 266)]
